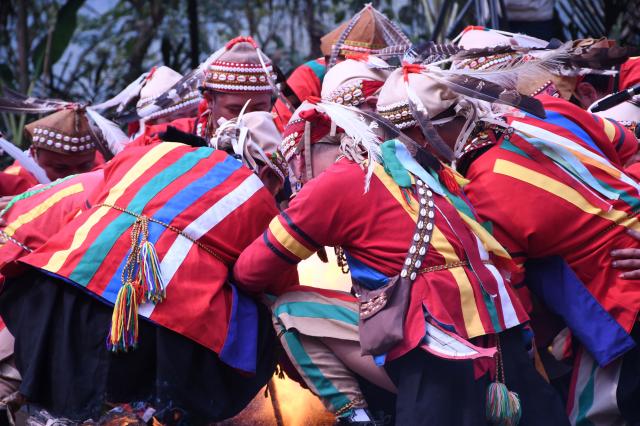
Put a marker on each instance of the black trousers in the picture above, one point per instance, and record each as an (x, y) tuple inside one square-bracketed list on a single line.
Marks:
[(60, 348), (436, 391), (628, 393)]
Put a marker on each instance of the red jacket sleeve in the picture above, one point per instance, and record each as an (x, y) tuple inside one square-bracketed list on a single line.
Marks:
[(319, 216)]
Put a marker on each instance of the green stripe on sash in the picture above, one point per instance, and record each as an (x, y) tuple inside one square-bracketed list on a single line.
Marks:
[(96, 254)]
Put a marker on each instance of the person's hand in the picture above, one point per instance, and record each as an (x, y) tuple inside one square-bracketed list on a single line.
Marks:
[(628, 259)]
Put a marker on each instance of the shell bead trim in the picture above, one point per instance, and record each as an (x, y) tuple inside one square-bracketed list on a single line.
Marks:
[(399, 114), (237, 77), (54, 140), (422, 236), (349, 95)]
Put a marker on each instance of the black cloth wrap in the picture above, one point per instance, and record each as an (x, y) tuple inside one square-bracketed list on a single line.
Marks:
[(438, 391), (60, 349)]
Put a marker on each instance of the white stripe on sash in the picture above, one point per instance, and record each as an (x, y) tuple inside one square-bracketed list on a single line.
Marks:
[(548, 136), (508, 311), (178, 251)]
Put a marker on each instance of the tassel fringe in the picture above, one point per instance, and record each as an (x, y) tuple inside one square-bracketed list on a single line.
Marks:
[(503, 406), (448, 179), (143, 282), (124, 321), (150, 274)]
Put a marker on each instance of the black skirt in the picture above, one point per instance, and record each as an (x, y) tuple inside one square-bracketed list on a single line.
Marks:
[(437, 391), (60, 351)]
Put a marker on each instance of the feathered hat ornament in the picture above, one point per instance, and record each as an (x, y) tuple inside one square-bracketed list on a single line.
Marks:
[(101, 133)]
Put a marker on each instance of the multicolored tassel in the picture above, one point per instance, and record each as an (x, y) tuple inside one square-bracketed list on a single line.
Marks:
[(142, 281), (150, 274), (124, 321), (503, 406)]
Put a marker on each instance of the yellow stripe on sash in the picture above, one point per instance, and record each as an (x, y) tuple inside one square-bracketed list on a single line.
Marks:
[(288, 241), (394, 189), (439, 242), (149, 159), (609, 129), (470, 314), (41, 208), (12, 170), (563, 191)]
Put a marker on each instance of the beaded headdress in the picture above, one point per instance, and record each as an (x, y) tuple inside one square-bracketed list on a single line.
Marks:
[(66, 131), (242, 67), (352, 81)]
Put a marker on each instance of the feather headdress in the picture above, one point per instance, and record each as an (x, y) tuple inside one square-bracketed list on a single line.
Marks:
[(123, 99), (107, 135), (362, 138), (185, 89)]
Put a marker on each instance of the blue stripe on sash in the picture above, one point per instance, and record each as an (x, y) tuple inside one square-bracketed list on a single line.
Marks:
[(561, 121), (365, 275), (186, 197), (94, 256)]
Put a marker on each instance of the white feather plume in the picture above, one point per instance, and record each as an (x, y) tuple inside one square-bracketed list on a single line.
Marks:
[(113, 135), (122, 99), (25, 161), (534, 64)]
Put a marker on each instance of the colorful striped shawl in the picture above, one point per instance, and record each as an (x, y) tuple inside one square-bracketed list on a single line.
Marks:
[(207, 195)]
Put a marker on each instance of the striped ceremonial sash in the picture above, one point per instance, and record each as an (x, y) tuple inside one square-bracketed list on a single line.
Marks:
[(480, 313)]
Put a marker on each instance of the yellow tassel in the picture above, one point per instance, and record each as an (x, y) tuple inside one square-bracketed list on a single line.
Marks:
[(124, 321)]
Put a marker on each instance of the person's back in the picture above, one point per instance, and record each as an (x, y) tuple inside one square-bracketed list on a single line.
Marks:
[(184, 215), (537, 209), (555, 189)]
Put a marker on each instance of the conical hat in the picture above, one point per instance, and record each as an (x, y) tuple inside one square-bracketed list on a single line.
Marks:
[(66, 131), (370, 32), (239, 69)]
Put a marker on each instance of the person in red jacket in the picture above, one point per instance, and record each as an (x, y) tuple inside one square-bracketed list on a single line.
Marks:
[(234, 80), (392, 224), (555, 188), (202, 349)]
